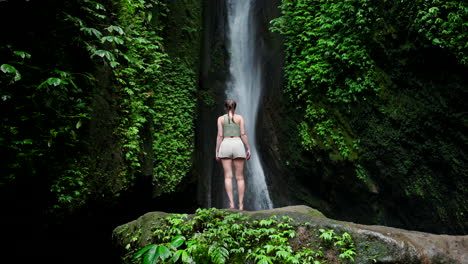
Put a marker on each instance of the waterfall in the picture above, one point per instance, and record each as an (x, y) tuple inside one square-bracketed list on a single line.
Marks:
[(244, 86)]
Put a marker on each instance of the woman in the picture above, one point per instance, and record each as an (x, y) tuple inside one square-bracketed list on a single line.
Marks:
[(232, 147)]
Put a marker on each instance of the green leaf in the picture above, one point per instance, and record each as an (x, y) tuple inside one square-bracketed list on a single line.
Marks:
[(22, 54), (151, 257), (99, 6), (163, 252), (264, 260), (142, 251), (283, 254), (78, 124), (177, 241), (114, 64), (112, 39), (116, 29), (104, 53), (186, 257), (75, 19), (7, 68), (177, 255), (150, 16), (54, 81), (92, 31)]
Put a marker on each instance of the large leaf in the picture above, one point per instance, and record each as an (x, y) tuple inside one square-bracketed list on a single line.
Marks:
[(151, 257), (92, 31), (7, 68), (177, 255), (264, 260), (163, 252), (177, 241), (186, 257), (22, 54), (116, 29), (54, 81), (112, 39), (218, 254), (99, 6), (149, 17), (104, 53), (142, 251), (75, 20)]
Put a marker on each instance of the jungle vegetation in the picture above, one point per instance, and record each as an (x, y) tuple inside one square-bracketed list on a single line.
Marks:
[(97, 95)]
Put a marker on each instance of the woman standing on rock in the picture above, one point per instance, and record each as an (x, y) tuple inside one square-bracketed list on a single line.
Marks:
[(232, 147)]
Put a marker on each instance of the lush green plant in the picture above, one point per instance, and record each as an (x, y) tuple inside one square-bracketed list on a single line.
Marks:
[(332, 53), (328, 67), (97, 47), (158, 92), (70, 187), (216, 236), (344, 242), (173, 123), (107, 43), (137, 75), (153, 252), (49, 108), (444, 24)]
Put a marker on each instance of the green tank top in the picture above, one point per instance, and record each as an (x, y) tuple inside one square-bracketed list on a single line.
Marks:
[(230, 129)]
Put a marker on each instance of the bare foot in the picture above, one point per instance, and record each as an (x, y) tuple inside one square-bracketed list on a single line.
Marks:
[(231, 206), (241, 207)]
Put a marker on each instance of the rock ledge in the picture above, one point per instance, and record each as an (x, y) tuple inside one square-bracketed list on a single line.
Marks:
[(374, 244)]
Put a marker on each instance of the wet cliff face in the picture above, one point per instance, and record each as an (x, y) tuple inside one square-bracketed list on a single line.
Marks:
[(214, 70)]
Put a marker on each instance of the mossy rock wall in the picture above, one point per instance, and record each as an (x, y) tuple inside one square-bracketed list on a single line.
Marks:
[(410, 169)]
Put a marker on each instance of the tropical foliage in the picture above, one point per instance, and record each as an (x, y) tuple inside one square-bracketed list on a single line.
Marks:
[(330, 64), (108, 71), (216, 236), (376, 85)]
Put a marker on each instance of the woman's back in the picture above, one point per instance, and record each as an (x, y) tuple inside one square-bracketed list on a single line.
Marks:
[(231, 127)]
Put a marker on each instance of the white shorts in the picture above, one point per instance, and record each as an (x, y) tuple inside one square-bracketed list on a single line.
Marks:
[(232, 148)]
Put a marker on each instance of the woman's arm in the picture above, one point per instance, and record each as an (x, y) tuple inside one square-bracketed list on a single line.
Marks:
[(219, 137), (244, 138)]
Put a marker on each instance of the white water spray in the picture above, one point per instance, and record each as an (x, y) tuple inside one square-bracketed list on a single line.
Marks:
[(244, 87)]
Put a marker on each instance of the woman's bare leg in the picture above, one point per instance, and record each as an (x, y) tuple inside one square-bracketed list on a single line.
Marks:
[(227, 166), (239, 167)]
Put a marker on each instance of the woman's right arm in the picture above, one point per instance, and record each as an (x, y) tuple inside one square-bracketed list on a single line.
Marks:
[(244, 138), (219, 137)]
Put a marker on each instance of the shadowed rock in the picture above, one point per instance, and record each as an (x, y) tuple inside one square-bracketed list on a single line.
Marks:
[(373, 244)]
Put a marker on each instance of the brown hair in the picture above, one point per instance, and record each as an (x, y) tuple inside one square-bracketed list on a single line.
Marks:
[(230, 106)]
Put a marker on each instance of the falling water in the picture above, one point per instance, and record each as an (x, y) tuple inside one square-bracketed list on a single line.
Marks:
[(244, 86)]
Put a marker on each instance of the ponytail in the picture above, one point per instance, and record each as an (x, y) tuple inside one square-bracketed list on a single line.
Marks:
[(230, 106), (231, 115)]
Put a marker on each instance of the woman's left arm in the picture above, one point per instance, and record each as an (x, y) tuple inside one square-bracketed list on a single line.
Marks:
[(219, 137)]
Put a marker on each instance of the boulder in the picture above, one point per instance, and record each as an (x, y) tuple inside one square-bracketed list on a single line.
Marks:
[(373, 243)]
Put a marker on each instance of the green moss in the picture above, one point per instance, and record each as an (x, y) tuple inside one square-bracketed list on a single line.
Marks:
[(384, 95), (158, 84)]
